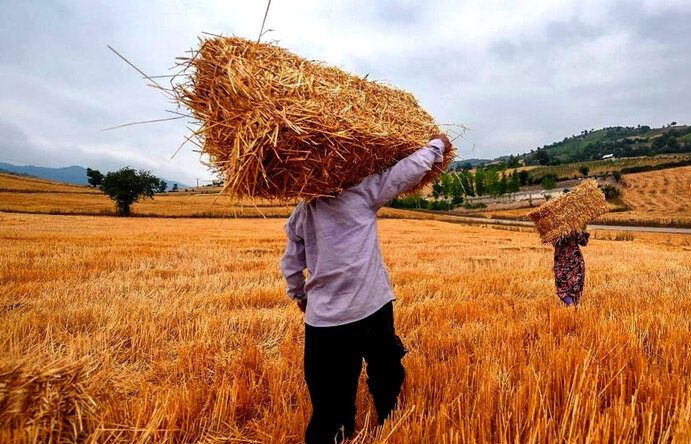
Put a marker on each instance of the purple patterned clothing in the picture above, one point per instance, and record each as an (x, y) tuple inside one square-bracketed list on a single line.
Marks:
[(569, 267)]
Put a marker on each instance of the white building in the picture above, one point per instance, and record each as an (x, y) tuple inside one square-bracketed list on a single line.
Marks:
[(608, 157)]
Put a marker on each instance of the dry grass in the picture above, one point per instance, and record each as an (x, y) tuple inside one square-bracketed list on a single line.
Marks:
[(31, 195), (605, 167), (179, 331), (51, 198), (664, 195), (11, 182), (281, 127), (654, 198), (166, 205)]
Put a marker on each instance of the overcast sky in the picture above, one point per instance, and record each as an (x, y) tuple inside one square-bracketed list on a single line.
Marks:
[(519, 74)]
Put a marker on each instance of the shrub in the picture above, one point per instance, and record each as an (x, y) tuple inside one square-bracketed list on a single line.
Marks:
[(549, 182), (413, 201), (417, 202), (439, 205), (474, 206), (611, 192), (660, 166)]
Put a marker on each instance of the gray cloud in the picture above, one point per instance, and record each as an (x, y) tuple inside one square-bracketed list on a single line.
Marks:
[(503, 49), (520, 75), (389, 13), (19, 148)]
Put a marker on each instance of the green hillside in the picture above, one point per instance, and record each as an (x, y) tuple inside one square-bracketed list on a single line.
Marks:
[(620, 141), (622, 165)]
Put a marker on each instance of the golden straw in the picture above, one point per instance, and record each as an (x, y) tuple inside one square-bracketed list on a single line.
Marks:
[(569, 213), (278, 126)]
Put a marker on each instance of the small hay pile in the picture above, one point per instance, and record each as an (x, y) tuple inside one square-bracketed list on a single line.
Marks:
[(569, 213), (278, 126), (47, 403)]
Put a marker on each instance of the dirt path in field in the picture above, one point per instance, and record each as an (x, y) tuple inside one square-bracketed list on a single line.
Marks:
[(522, 223)]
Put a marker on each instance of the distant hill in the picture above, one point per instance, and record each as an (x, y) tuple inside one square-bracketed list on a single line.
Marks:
[(619, 141), (72, 174), (464, 163)]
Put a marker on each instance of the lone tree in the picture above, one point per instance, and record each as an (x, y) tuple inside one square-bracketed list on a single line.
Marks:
[(94, 177), (584, 170), (162, 186), (126, 186)]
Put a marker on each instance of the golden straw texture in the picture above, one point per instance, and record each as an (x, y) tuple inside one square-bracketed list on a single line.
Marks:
[(569, 213), (278, 126), (48, 402)]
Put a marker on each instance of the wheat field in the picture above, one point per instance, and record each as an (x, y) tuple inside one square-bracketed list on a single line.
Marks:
[(665, 194), (178, 330), (652, 198), (11, 182), (29, 195), (39, 196)]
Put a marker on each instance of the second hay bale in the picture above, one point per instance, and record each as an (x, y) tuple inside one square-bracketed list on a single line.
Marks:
[(278, 126), (569, 213)]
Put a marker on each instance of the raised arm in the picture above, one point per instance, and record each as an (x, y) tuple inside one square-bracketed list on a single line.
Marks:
[(380, 188), (293, 264)]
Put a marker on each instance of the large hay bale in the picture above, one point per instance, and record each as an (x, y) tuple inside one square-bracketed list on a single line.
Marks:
[(278, 126), (569, 213)]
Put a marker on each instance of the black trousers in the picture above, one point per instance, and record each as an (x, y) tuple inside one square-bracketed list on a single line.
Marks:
[(333, 361)]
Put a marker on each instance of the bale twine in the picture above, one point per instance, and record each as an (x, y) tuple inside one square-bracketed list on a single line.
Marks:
[(569, 213), (278, 126)]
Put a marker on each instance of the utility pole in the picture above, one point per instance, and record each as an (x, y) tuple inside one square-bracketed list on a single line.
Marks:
[(197, 182)]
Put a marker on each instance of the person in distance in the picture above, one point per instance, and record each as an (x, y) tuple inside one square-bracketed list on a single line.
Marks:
[(569, 267)]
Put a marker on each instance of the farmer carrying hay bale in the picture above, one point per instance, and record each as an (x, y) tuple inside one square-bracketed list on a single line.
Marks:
[(562, 222), (347, 298), (278, 126)]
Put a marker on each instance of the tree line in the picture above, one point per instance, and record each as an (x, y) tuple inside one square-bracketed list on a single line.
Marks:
[(483, 182), (454, 187)]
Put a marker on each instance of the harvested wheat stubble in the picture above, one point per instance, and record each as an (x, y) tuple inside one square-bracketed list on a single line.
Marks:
[(278, 126), (50, 402), (569, 213)]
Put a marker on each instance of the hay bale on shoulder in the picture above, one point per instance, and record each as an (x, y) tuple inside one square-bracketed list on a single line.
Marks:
[(278, 126), (569, 213)]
